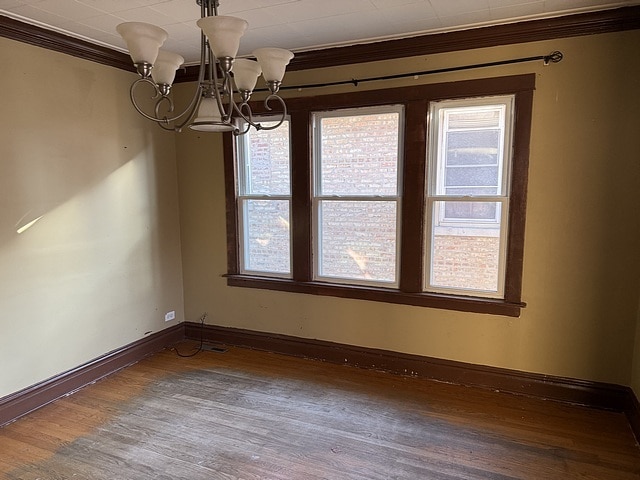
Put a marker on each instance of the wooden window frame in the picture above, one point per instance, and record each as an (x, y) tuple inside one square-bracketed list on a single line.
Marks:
[(416, 100)]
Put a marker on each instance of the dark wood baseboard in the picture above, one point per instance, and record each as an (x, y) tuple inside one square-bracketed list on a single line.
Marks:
[(20, 403), (582, 392), (569, 390), (632, 410)]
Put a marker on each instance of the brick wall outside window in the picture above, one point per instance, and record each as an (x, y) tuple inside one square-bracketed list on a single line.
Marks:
[(459, 260)]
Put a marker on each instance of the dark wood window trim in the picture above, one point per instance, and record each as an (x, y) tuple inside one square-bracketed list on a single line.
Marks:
[(416, 100)]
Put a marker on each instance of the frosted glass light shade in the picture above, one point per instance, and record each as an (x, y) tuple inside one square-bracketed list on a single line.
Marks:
[(273, 61), (143, 40), (164, 70), (223, 33), (246, 73), (209, 118)]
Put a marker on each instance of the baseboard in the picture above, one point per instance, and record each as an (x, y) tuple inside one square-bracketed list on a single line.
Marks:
[(633, 413), (29, 399), (593, 394)]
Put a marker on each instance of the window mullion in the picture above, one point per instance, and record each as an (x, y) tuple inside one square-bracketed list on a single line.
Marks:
[(301, 208), (413, 190)]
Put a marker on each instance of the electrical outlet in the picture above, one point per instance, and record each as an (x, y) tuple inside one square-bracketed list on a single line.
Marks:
[(170, 316)]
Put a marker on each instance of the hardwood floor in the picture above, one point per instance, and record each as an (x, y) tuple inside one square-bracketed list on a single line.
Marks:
[(246, 414)]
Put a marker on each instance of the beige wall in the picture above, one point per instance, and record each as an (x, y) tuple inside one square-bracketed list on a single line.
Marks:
[(581, 271), (102, 265)]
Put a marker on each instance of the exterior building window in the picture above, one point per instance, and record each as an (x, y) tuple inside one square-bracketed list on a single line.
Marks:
[(413, 195)]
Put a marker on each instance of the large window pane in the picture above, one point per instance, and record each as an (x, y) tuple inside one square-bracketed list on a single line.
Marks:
[(264, 199), (266, 167), (359, 154), (267, 236), (468, 196), (466, 258), (470, 150), (358, 240)]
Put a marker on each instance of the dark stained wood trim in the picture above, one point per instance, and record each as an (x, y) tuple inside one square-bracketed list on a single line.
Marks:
[(518, 195), (40, 37), (301, 190), (592, 394), (20, 403), (372, 294), (415, 99), (605, 21), (413, 186), (563, 389), (385, 96), (626, 18), (230, 182), (632, 410)]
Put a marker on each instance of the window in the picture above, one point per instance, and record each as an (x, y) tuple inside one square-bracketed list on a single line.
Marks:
[(356, 199), (264, 201), (410, 195), (468, 195)]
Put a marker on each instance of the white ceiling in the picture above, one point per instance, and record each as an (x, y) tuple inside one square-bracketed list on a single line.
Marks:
[(293, 24)]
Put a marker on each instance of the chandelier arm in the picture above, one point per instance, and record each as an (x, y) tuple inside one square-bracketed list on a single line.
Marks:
[(212, 77), (266, 106), (222, 87), (164, 100), (248, 118), (134, 85), (228, 91), (167, 127), (203, 57), (192, 109), (160, 120)]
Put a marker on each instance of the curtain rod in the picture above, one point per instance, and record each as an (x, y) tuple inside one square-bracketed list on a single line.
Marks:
[(553, 57)]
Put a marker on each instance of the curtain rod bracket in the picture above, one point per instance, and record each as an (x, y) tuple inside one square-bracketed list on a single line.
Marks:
[(553, 57)]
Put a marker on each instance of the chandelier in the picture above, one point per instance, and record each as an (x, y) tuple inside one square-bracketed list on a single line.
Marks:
[(225, 83)]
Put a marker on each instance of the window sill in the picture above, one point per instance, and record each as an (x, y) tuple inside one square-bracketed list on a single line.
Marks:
[(432, 300)]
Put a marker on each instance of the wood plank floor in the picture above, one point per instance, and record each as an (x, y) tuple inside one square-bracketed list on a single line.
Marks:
[(248, 415)]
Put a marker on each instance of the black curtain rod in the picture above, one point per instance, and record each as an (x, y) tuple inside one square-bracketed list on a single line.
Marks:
[(553, 57)]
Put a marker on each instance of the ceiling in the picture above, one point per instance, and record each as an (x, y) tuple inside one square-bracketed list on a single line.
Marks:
[(297, 25)]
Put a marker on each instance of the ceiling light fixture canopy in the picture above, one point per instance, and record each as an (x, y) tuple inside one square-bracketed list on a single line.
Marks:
[(225, 83)]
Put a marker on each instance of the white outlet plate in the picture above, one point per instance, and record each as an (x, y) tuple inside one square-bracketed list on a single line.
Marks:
[(170, 316)]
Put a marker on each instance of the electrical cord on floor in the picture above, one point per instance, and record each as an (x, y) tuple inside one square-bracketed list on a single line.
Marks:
[(199, 349)]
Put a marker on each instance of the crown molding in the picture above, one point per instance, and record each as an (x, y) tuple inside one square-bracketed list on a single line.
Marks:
[(51, 40), (605, 21)]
